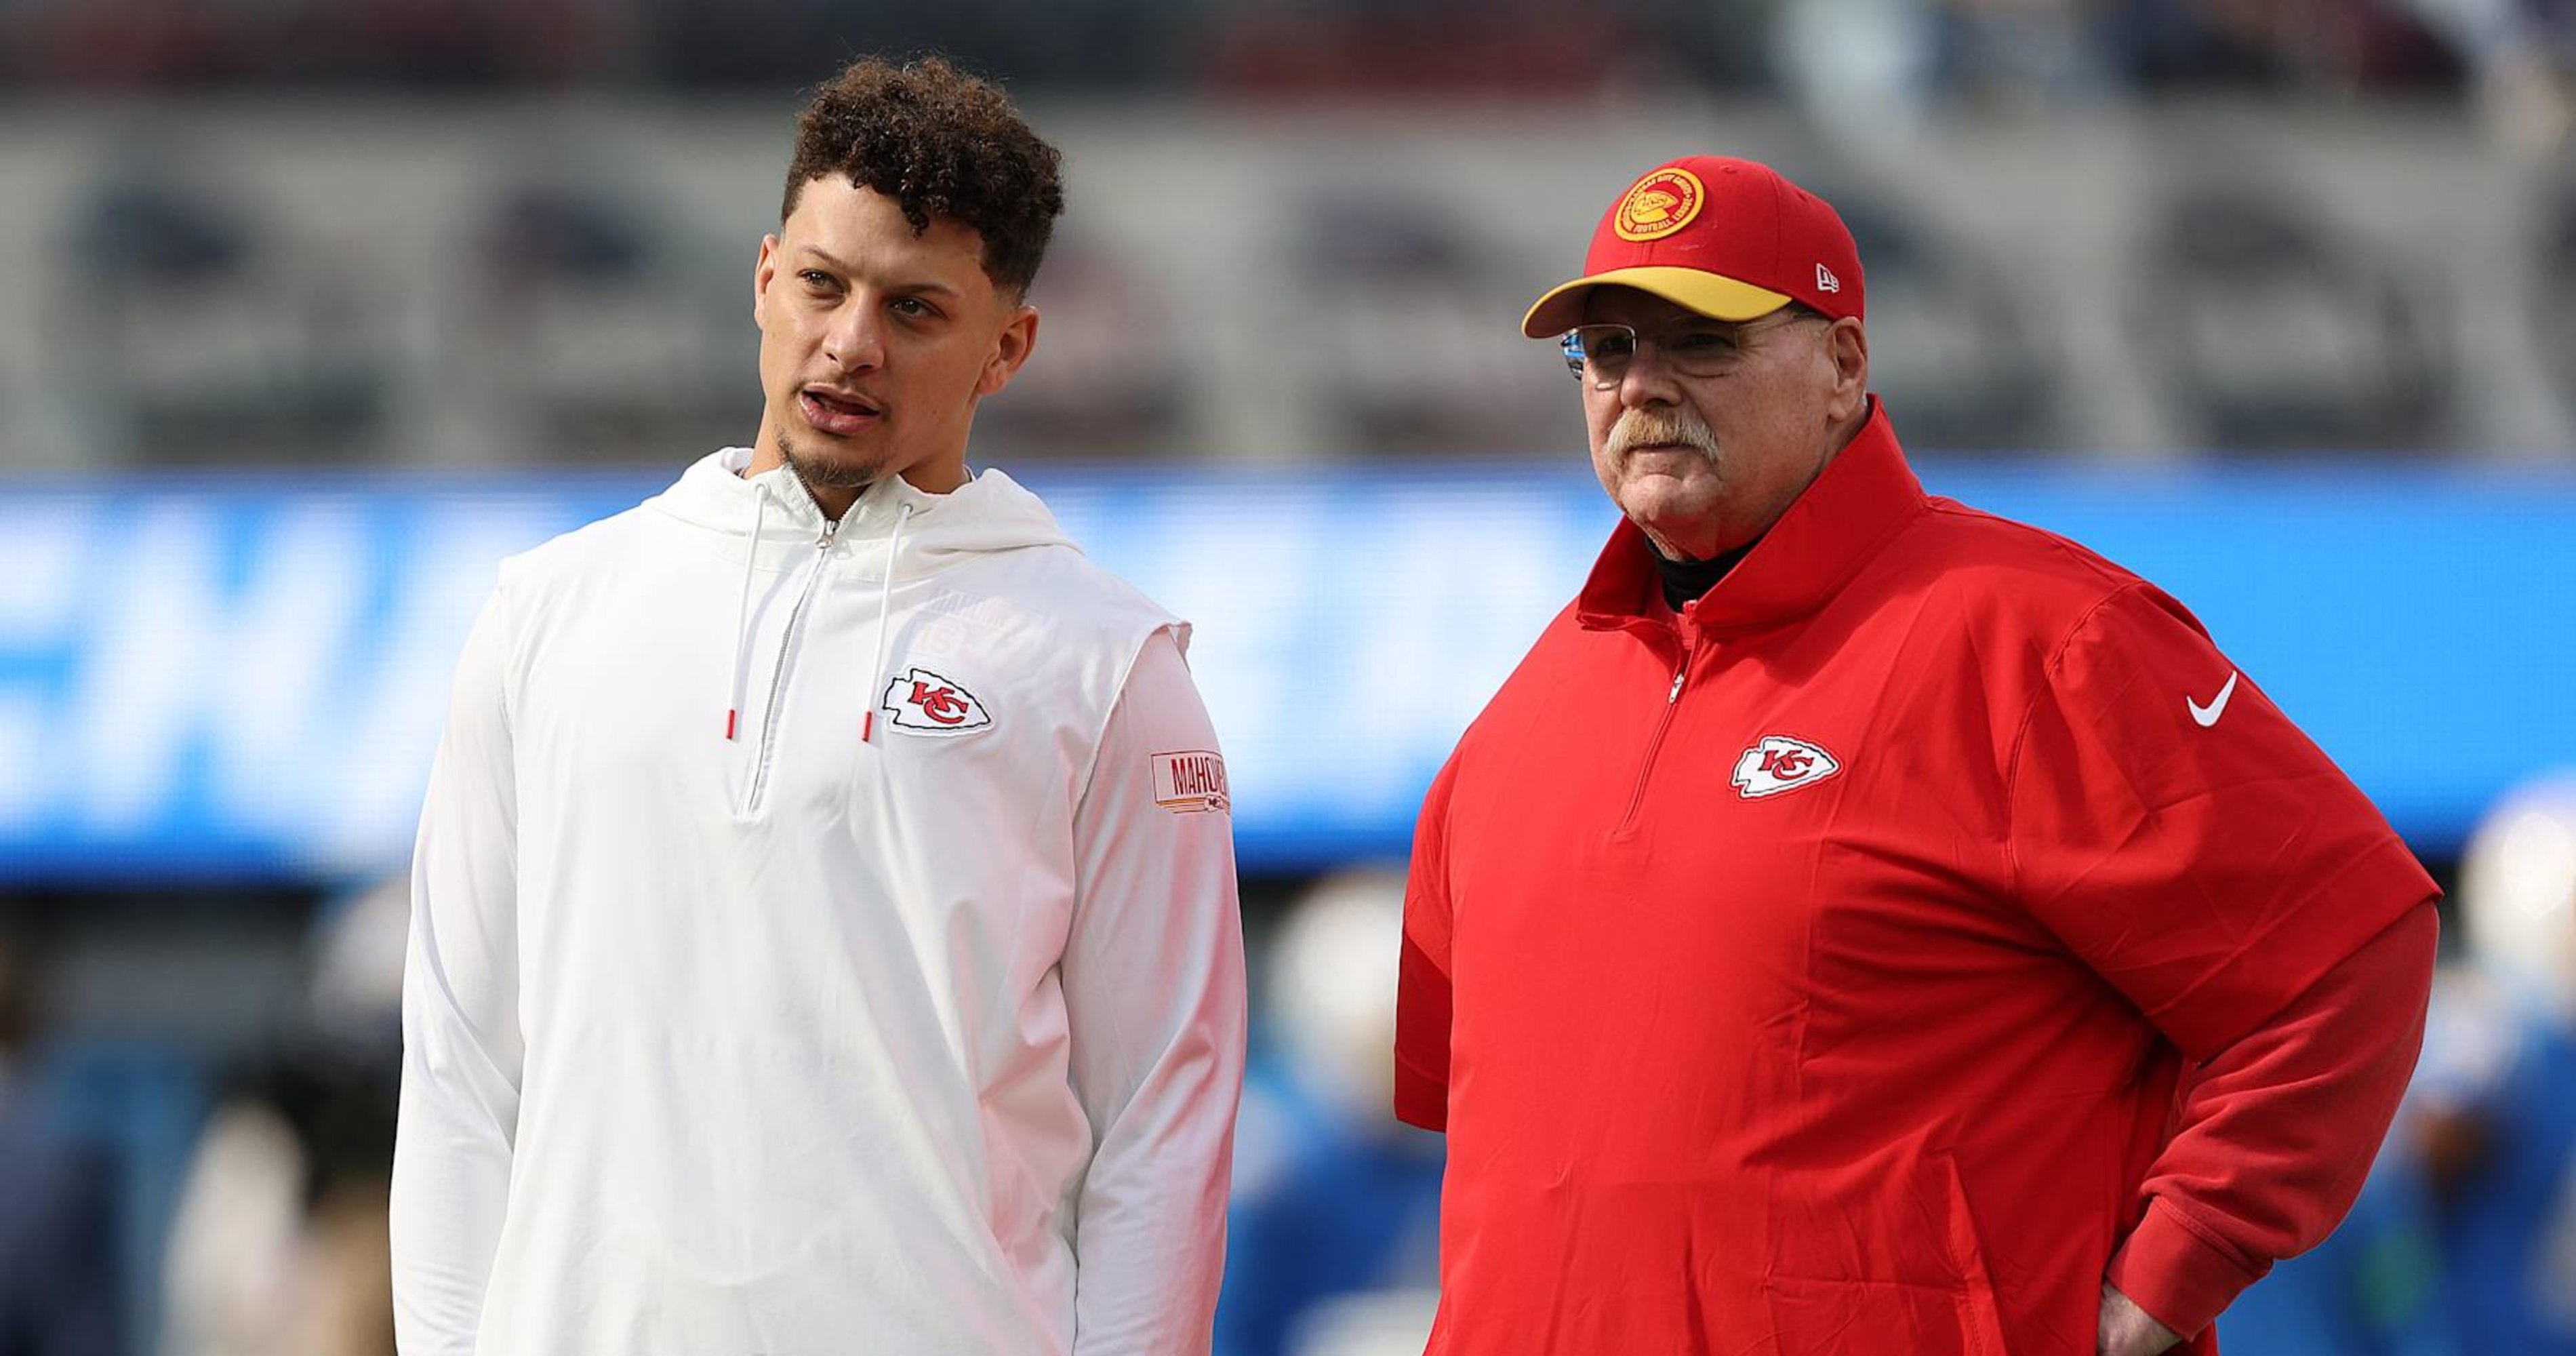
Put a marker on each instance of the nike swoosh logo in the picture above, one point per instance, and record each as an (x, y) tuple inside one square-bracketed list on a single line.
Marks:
[(2206, 716)]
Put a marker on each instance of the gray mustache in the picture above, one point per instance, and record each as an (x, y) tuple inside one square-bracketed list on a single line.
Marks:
[(1644, 427)]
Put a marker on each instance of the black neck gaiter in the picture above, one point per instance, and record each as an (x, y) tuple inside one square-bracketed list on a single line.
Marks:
[(1686, 580)]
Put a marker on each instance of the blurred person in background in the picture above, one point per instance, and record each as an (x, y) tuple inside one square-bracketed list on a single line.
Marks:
[(824, 926), (2374, 1287), (1863, 924), (2497, 1096), (1333, 1237), (279, 1245), (58, 1292), (2166, 46)]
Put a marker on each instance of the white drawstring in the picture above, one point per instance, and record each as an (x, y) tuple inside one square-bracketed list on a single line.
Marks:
[(885, 623), (742, 614)]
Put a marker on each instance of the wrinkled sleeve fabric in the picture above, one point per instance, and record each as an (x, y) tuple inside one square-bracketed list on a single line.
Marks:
[(2212, 872), (2277, 1133), (1422, 976), (1154, 996), (461, 1040), (2192, 847)]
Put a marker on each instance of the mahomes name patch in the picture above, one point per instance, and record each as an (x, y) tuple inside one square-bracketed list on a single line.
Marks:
[(1190, 781)]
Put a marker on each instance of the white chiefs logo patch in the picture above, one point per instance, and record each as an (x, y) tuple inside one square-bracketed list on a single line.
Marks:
[(925, 703), (1191, 781), (1780, 763)]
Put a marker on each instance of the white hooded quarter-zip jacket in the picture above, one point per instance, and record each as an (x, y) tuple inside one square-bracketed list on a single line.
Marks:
[(824, 941)]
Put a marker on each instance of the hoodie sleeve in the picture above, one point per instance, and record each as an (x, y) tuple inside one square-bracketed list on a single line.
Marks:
[(1154, 992), (461, 1044)]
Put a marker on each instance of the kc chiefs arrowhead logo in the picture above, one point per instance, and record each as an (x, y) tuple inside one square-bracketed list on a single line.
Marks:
[(1661, 203), (925, 703), (1780, 763)]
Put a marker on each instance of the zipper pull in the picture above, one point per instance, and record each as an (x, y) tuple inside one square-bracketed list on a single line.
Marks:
[(1678, 675)]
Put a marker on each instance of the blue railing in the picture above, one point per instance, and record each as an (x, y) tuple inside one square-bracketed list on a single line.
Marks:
[(242, 678)]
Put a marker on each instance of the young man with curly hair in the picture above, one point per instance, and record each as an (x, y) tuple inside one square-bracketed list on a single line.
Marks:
[(824, 928)]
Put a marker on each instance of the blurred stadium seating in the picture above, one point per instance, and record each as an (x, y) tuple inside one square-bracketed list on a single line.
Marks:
[(407, 283)]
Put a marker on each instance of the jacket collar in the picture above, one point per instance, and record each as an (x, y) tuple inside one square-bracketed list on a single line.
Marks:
[(719, 486), (772, 516), (1833, 527)]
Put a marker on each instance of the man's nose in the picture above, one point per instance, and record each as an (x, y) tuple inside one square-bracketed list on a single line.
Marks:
[(855, 340), (1648, 380)]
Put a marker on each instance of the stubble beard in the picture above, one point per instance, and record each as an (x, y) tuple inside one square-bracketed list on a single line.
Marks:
[(820, 474)]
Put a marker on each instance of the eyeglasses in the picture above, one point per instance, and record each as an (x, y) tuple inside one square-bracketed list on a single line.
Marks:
[(1600, 354)]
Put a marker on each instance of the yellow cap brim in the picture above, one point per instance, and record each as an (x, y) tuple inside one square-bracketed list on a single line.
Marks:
[(1707, 293)]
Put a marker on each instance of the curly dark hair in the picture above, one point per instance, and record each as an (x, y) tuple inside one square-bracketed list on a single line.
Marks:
[(942, 143)]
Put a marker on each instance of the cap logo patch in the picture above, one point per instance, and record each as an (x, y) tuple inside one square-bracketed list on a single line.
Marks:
[(1826, 281), (1781, 763), (1659, 204), (1191, 781), (925, 703)]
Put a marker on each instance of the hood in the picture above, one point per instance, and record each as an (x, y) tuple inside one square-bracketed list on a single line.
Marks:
[(901, 532), (989, 513)]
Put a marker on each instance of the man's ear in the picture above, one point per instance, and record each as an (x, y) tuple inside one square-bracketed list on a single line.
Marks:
[(1847, 348), (1011, 348), (764, 268)]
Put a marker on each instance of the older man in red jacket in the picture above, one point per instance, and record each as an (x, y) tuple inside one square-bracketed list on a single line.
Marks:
[(1864, 925)]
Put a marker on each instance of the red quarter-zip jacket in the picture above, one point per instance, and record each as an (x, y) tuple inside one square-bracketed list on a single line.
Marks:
[(1924, 924)]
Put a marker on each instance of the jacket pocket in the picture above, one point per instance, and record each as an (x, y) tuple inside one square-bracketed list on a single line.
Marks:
[(1887, 1261), (1981, 1321)]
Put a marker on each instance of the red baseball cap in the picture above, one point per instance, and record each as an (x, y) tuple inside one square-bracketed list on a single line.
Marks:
[(1727, 238)]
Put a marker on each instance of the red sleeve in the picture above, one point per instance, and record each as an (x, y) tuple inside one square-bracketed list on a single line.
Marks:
[(2182, 837), (2278, 1131), (1422, 980)]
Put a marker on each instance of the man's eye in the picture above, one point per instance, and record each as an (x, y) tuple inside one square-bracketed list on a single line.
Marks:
[(815, 277), (1610, 346), (1701, 341), (912, 306)]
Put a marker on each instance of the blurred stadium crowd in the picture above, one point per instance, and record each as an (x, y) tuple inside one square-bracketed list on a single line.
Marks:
[(482, 236), (433, 235), (2011, 50)]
